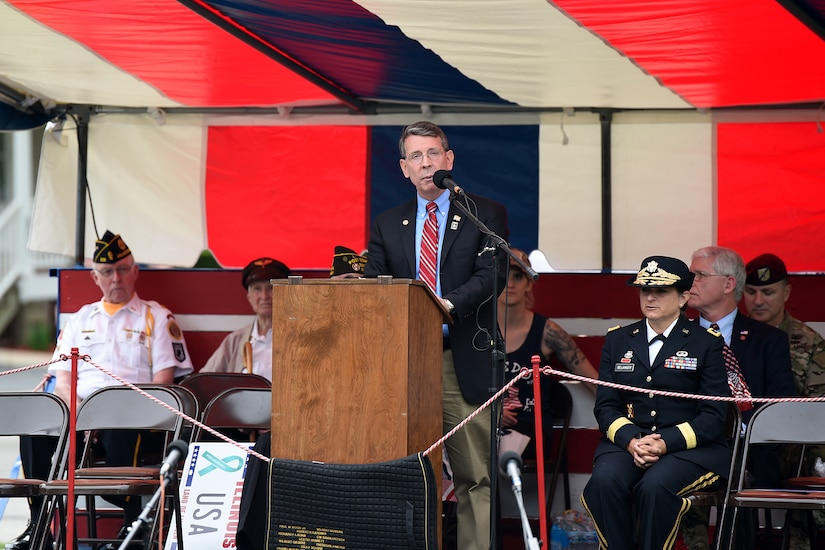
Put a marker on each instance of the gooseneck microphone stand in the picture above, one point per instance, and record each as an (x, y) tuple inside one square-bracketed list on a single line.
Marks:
[(511, 466), (144, 519), (497, 356)]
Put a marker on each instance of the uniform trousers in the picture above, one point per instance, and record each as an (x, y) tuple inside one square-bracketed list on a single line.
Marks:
[(469, 453), (630, 505)]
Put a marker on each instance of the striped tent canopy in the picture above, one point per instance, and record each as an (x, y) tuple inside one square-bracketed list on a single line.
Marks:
[(610, 130)]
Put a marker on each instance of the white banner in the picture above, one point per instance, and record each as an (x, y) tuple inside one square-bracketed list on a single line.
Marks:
[(210, 496)]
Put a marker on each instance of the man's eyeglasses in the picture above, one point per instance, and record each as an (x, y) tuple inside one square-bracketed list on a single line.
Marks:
[(108, 272), (432, 154), (699, 275)]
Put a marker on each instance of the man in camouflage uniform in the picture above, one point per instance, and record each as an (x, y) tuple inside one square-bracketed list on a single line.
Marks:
[(766, 291)]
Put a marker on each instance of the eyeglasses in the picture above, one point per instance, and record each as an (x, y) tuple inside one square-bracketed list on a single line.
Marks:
[(108, 272), (418, 156), (699, 275)]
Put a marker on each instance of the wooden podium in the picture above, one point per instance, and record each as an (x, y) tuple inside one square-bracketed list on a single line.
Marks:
[(356, 370)]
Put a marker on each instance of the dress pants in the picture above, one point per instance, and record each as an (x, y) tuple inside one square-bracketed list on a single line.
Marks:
[(469, 452), (630, 505)]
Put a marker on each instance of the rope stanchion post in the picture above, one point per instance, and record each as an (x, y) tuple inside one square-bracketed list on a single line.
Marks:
[(70, 461), (537, 413)]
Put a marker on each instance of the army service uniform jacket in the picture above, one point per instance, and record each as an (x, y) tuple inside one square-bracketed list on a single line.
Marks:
[(691, 362)]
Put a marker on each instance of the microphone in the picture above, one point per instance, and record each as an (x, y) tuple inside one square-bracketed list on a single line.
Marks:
[(177, 451), (444, 180), (511, 465)]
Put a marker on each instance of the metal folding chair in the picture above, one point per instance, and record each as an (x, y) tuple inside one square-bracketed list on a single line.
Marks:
[(36, 414), (782, 423), (238, 408), (207, 385), (120, 408)]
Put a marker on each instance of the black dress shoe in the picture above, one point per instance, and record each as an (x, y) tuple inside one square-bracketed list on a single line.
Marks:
[(22, 541)]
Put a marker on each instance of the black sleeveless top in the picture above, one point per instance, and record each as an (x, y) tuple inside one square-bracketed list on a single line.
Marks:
[(522, 358)]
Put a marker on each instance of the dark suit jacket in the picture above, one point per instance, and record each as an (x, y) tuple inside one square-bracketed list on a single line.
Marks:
[(467, 280), (764, 355), (690, 361)]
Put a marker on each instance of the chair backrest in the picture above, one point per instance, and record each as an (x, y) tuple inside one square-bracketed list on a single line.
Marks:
[(783, 423), (241, 408), (122, 408), (787, 422), (32, 413), (36, 413), (207, 385), (189, 401)]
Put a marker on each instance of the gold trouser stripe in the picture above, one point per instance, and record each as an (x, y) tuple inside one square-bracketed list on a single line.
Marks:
[(615, 426), (135, 454), (602, 540), (674, 532), (706, 480), (150, 333), (688, 434)]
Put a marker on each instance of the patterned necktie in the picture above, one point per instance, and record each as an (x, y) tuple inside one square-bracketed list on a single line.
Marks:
[(428, 259), (736, 380)]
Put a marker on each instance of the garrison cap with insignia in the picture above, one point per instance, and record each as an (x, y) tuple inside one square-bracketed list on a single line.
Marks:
[(346, 261), (110, 249), (662, 271), (263, 269), (765, 270)]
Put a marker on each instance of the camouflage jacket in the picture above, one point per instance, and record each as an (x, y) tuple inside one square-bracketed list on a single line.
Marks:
[(807, 356)]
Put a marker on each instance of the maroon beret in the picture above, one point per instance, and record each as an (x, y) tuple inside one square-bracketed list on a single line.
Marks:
[(765, 270)]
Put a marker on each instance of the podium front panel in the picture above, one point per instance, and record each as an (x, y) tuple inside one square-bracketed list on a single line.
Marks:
[(356, 370)]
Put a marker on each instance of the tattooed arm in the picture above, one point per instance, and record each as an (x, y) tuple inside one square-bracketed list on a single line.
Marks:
[(556, 340)]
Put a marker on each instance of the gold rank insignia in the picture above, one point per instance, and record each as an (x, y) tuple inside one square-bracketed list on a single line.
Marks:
[(714, 332), (611, 329)]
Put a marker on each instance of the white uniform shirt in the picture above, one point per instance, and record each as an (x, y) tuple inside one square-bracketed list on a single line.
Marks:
[(141, 338)]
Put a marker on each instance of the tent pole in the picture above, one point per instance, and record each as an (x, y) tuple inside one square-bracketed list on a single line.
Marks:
[(81, 118), (606, 120)]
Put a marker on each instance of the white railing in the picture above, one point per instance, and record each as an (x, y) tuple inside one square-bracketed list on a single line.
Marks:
[(16, 260), (10, 250)]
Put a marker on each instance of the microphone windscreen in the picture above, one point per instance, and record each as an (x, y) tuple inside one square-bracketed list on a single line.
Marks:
[(179, 445), (506, 457), (438, 178)]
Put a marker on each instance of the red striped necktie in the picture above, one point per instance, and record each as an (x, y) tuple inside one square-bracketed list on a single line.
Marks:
[(736, 380), (428, 259)]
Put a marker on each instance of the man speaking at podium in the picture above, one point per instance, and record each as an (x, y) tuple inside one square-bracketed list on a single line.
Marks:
[(430, 239)]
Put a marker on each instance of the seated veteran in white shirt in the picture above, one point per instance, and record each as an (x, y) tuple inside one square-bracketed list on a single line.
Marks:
[(249, 349)]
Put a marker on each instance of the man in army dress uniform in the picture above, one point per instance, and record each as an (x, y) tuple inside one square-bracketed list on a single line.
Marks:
[(766, 291)]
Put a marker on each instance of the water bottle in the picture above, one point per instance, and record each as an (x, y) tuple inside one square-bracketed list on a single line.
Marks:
[(558, 538)]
